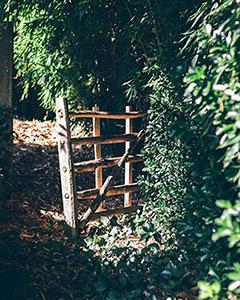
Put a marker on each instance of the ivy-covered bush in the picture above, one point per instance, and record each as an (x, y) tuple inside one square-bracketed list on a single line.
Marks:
[(192, 152), (166, 175), (213, 84)]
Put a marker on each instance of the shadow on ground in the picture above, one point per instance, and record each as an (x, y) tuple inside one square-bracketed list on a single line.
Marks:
[(38, 261)]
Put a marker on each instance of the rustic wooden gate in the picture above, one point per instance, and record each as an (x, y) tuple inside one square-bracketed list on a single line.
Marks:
[(69, 169)]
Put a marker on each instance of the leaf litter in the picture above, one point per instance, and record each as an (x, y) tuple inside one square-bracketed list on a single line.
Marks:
[(37, 259)]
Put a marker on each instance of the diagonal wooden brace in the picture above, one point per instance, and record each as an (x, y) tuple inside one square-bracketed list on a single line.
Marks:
[(108, 183)]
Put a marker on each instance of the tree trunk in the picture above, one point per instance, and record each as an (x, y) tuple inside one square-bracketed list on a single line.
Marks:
[(6, 62)]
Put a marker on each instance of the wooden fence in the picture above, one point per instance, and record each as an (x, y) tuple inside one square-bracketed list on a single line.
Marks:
[(69, 169)]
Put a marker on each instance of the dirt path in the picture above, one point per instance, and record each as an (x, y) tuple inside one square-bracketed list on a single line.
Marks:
[(33, 247), (36, 167), (37, 261)]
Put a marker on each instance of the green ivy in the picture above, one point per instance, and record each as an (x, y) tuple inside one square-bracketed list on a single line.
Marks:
[(166, 175), (213, 84)]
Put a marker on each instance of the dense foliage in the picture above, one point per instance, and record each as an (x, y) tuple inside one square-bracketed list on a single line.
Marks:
[(192, 151), (91, 51), (213, 84), (113, 52), (166, 175)]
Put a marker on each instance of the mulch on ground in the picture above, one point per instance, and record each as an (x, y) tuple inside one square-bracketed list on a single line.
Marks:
[(37, 260)]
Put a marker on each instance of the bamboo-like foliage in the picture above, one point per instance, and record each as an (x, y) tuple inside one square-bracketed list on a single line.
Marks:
[(93, 52)]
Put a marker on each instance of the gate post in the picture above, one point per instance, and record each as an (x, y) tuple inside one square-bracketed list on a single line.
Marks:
[(6, 118), (66, 165)]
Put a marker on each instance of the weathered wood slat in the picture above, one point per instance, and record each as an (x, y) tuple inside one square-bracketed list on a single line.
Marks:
[(66, 165), (113, 191), (108, 183), (105, 115), (91, 165), (115, 212), (111, 139)]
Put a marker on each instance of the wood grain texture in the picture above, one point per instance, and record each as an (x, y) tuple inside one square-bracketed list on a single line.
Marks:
[(6, 64), (66, 165), (111, 139), (113, 191), (91, 165), (108, 182), (6, 114), (105, 115)]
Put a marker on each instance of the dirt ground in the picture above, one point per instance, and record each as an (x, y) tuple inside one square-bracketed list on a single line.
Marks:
[(33, 245)]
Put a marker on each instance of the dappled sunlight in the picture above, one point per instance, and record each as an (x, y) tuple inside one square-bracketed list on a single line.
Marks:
[(132, 190), (38, 260)]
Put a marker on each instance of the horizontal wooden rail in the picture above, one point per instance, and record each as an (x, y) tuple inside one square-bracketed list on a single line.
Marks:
[(113, 191), (91, 165), (115, 212), (111, 139), (105, 115)]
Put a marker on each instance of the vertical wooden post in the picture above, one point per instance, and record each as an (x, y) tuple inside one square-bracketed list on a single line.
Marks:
[(66, 165), (97, 154), (128, 165), (6, 118)]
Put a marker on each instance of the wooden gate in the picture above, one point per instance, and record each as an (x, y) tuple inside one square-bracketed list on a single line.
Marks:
[(69, 169)]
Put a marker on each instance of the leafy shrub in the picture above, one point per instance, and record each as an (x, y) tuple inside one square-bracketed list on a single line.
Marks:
[(166, 175), (91, 52), (82, 50), (167, 153), (202, 133), (2, 10), (213, 84)]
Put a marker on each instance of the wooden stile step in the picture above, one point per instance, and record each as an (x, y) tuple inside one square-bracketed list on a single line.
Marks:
[(91, 165), (115, 212), (105, 115), (113, 191), (111, 139)]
